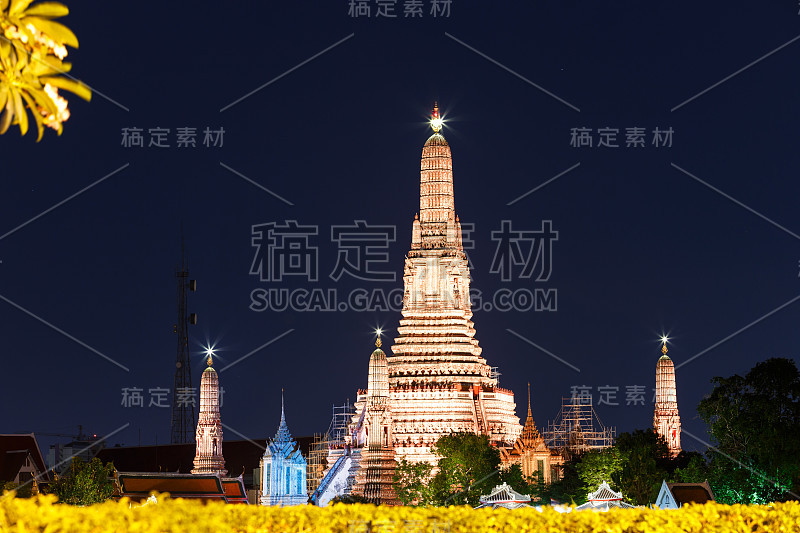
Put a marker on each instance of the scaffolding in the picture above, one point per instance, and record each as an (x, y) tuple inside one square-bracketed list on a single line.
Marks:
[(577, 428), (333, 438), (317, 461)]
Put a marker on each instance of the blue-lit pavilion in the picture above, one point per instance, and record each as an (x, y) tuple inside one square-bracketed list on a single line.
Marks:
[(283, 470)]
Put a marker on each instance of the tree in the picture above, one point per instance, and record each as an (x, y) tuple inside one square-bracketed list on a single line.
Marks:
[(32, 46), (568, 489), (412, 483), (85, 483), (598, 466), (517, 480), (755, 423), (690, 467), (22, 491), (468, 465), (646, 463)]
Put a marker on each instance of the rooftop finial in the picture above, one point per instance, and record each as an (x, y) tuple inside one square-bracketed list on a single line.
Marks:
[(283, 418), (664, 340), (529, 398), (436, 120), (378, 339)]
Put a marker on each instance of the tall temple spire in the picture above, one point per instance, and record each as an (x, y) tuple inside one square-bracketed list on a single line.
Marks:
[(666, 419), (208, 454), (436, 204), (436, 358), (374, 479)]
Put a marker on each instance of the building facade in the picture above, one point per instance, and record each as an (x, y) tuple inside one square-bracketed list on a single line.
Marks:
[(208, 457), (666, 420), (283, 470)]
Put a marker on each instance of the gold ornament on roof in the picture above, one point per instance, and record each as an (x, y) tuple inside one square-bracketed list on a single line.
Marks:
[(436, 120)]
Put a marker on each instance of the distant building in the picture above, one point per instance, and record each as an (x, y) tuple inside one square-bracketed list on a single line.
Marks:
[(21, 461), (666, 420), (674, 495), (283, 470), (83, 447)]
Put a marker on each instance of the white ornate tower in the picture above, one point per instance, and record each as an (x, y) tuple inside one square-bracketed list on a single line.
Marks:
[(208, 458), (438, 381), (374, 479), (666, 420)]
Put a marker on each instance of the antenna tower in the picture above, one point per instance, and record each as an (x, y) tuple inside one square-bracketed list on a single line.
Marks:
[(182, 431)]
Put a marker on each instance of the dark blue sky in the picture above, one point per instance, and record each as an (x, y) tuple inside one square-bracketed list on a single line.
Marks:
[(643, 247)]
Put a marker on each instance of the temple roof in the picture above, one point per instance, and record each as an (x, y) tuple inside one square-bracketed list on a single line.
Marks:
[(604, 493), (691, 492), (283, 444), (529, 432), (503, 493), (14, 449)]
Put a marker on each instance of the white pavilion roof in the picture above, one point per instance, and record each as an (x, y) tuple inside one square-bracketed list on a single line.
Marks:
[(603, 499), (504, 496)]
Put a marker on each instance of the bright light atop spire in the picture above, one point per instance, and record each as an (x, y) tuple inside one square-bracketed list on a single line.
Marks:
[(436, 120), (209, 355), (664, 340)]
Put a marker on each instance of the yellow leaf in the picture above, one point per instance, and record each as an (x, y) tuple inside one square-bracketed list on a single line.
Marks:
[(22, 115), (18, 6), (48, 10), (48, 66), (5, 118), (55, 30), (76, 87), (44, 100), (36, 115)]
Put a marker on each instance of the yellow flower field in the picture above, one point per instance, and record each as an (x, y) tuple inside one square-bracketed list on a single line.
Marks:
[(41, 514)]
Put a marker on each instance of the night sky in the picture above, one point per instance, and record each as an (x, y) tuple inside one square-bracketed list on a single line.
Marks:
[(646, 245)]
